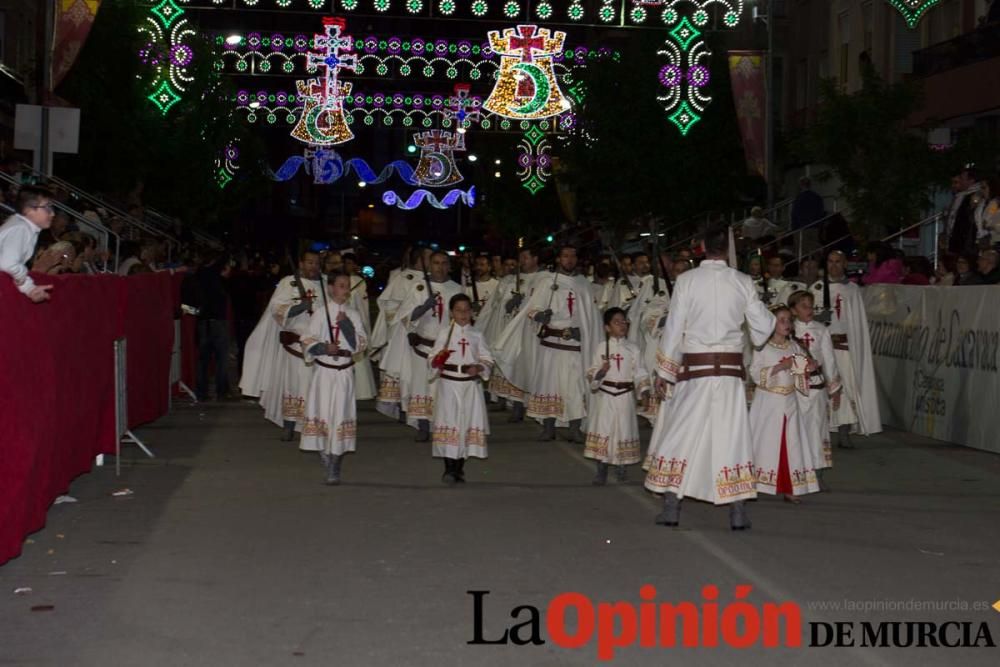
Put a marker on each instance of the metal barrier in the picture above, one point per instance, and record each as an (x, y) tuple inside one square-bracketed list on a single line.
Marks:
[(800, 250), (933, 219)]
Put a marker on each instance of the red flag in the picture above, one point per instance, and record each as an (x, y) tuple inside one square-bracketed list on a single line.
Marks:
[(746, 70), (72, 25)]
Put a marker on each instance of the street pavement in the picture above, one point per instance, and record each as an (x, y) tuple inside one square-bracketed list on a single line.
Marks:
[(231, 551)]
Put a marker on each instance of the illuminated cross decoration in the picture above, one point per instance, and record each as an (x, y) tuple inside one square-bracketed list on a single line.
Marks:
[(437, 157), (570, 300), (526, 42), (617, 356), (463, 344), (807, 340), (462, 108), (332, 59), (837, 303)]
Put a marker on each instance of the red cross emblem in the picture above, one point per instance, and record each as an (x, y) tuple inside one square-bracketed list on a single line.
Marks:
[(618, 360), (837, 303), (570, 300), (525, 41), (463, 344), (807, 340), (336, 333)]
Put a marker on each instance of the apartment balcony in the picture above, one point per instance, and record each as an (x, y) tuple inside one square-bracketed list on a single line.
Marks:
[(959, 76)]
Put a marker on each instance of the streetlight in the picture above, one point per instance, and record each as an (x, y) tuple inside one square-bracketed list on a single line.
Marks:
[(472, 157), (234, 39), (361, 184), (496, 174)]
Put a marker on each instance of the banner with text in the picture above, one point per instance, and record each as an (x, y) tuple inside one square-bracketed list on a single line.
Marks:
[(935, 351)]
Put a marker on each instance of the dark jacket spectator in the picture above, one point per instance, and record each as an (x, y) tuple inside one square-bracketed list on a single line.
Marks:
[(807, 207)]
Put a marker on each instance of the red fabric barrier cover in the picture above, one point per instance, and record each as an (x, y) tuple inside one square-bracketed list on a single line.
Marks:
[(57, 399), (149, 330)]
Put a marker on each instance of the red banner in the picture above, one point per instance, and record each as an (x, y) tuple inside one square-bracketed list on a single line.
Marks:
[(746, 70), (72, 25)]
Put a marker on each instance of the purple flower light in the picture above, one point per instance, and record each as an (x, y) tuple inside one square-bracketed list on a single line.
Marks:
[(441, 47), (301, 43), (181, 55), (395, 45), (698, 76), (670, 75), (277, 42), (417, 45)]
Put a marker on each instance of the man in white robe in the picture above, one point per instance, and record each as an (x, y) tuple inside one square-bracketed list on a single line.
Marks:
[(364, 377), (273, 366), (704, 450), (422, 316), (388, 342), (557, 332), (482, 285), (858, 411), (511, 294)]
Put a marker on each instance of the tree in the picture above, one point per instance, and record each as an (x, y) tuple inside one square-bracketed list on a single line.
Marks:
[(887, 170), (125, 139)]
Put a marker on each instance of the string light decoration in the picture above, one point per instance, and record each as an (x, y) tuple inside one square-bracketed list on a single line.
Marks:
[(326, 167), (534, 160), (666, 10), (526, 86), (167, 53), (227, 165), (685, 77), (451, 198), (462, 109), (437, 167), (913, 10), (322, 121), (386, 56)]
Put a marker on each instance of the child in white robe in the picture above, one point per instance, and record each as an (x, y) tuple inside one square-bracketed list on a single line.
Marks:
[(335, 334), (617, 378), (783, 460), (459, 360), (824, 382)]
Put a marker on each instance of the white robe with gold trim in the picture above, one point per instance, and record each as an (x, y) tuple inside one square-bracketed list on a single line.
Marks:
[(612, 435), (460, 426)]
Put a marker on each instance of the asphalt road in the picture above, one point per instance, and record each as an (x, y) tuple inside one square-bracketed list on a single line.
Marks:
[(231, 551)]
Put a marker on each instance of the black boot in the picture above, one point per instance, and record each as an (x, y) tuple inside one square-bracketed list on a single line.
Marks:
[(575, 434), (823, 486), (402, 417), (738, 517), (333, 470), (459, 471), (449, 472), (620, 474), (423, 431), (671, 514), (548, 430), (601, 478), (516, 413), (289, 433)]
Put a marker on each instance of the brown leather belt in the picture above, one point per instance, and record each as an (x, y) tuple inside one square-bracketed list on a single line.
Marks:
[(459, 378), (818, 373), (416, 341), (718, 362), (565, 334), (622, 387), (557, 346), (456, 368), (839, 341), (335, 367)]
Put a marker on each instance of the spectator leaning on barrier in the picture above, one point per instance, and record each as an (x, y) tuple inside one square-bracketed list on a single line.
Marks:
[(18, 235), (883, 266)]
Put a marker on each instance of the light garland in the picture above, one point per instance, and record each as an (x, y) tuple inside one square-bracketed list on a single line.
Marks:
[(913, 10), (167, 53), (437, 167), (326, 167), (451, 198), (526, 86), (227, 165), (322, 121), (534, 160), (685, 77)]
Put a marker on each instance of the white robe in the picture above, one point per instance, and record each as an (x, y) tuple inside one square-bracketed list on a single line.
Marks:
[(859, 404), (645, 331), (364, 377), (774, 416), (814, 409), (416, 395), (495, 319), (460, 425), (484, 290), (553, 379), (279, 377), (704, 450), (625, 291), (389, 339), (612, 435), (330, 424), (388, 302)]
